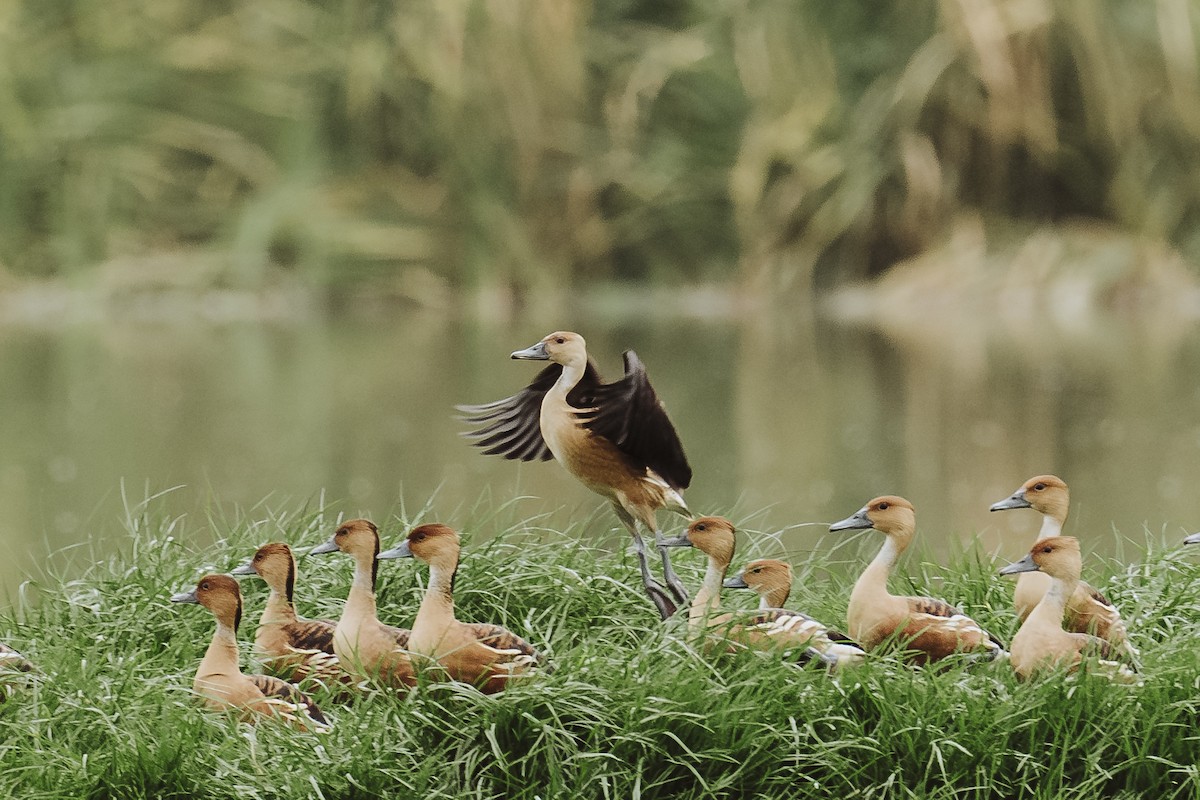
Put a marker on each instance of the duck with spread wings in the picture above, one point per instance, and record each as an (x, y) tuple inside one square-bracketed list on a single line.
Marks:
[(614, 437)]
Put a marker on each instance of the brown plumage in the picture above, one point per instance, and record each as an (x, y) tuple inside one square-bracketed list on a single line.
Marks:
[(365, 647), (1088, 611), (616, 438), (926, 628), (485, 655), (289, 646), (219, 679), (1042, 643), (769, 578), (774, 629)]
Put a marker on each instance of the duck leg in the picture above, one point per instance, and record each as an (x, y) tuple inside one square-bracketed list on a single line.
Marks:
[(677, 588), (654, 589)]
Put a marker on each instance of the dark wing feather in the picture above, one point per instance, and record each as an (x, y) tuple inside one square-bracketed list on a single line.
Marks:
[(933, 607), (400, 635), (271, 686), (629, 414), (1095, 595), (502, 638), (313, 634), (511, 427)]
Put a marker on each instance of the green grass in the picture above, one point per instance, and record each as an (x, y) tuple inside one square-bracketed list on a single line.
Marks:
[(632, 710)]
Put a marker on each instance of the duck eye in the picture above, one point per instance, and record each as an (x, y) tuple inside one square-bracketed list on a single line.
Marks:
[(882, 506), (559, 340), (702, 527), (204, 585), (1037, 487), (1047, 549)]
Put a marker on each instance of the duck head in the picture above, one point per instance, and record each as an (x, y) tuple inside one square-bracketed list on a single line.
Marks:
[(428, 543), (1047, 494), (767, 577), (356, 537), (275, 564), (220, 594), (1057, 556), (892, 516), (714, 536), (561, 347)]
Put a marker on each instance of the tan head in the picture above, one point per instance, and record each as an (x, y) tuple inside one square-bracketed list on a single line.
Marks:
[(714, 536), (358, 537), (273, 563), (220, 594), (1046, 494), (429, 543), (561, 347), (770, 578), (1057, 556), (889, 514)]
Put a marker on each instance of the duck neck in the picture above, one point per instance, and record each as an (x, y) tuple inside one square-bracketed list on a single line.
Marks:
[(222, 654), (775, 598), (708, 596), (361, 601), (279, 609), (572, 372), (1054, 602), (1051, 526), (874, 577), (436, 613)]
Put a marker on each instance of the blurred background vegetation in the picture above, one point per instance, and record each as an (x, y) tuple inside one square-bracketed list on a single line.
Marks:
[(505, 151)]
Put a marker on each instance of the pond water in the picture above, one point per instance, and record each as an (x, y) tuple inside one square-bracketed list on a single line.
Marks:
[(786, 421)]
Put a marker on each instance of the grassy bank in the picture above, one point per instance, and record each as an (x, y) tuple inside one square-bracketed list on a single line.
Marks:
[(631, 711)]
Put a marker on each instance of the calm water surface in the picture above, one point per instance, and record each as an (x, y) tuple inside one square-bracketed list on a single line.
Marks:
[(785, 422)]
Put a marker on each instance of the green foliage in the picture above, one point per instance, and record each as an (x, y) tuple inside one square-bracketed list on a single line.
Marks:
[(528, 145), (632, 708)]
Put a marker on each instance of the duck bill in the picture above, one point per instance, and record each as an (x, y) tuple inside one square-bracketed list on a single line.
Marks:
[(535, 353), (1016, 501), (858, 521), (402, 551), (185, 597), (1024, 565), (736, 582), (675, 541), (1193, 538), (328, 547), (243, 569)]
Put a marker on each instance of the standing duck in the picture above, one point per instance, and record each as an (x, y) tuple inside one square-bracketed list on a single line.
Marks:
[(480, 654), (219, 679), (364, 646), (928, 628), (1088, 611), (1042, 642), (769, 578), (614, 437), (289, 646), (769, 629)]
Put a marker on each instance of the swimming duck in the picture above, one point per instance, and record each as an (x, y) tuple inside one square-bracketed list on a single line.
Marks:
[(220, 681), (769, 629), (1042, 642), (614, 437), (480, 654), (770, 579), (364, 646), (928, 628), (289, 646), (1088, 611)]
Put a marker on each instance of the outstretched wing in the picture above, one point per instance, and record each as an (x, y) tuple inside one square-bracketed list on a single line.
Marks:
[(629, 414), (512, 427)]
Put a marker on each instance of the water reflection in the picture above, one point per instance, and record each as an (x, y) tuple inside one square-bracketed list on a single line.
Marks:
[(785, 421)]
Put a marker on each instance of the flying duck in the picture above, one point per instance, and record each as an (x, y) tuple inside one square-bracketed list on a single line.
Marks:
[(1042, 642), (289, 646), (484, 655), (219, 679), (926, 628), (770, 629), (1088, 611), (614, 437), (364, 646)]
